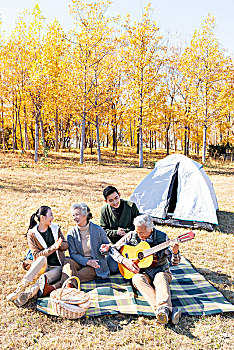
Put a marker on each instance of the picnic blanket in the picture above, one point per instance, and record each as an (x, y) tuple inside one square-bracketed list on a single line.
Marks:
[(189, 291)]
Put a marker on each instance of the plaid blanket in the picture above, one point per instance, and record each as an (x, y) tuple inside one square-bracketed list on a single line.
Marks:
[(189, 291)]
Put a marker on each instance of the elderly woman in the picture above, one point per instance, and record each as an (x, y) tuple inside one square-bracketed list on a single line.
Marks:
[(84, 241)]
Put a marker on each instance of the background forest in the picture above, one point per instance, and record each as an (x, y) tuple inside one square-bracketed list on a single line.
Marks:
[(111, 82)]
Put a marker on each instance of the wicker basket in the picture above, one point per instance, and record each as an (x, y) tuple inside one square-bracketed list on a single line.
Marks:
[(63, 302), (70, 295)]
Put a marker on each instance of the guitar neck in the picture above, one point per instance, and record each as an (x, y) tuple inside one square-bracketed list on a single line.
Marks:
[(158, 247)]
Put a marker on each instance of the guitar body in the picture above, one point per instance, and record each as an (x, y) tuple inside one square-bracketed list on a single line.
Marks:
[(131, 252), (142, 254)]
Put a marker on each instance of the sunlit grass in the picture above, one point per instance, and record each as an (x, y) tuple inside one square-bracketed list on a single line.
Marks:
[(59, 180)]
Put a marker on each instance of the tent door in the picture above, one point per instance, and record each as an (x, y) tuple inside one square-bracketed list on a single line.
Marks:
[(172, 194)]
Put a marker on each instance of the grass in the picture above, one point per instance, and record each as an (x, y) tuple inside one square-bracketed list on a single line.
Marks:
[(58, 181)]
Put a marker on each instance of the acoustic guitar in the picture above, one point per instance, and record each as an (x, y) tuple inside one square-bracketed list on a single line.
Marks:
[(142, 254)]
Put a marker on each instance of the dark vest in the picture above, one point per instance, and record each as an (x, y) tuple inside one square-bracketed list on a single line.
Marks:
[(158, 237)]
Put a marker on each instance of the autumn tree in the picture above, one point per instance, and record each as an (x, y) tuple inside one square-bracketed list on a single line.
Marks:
[(92, 44), (115, 96), (202, 64), (98, 85), (225, 123), (37, 80), (142, 61), (57, 70), (2, 92), (170, 91)]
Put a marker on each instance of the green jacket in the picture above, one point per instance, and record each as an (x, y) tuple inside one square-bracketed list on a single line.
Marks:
[(110, 223)]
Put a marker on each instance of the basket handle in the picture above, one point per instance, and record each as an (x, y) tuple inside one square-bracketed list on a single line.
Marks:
[(66, 282)]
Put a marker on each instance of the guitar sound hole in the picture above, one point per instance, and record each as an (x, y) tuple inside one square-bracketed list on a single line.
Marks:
[(140, 256)]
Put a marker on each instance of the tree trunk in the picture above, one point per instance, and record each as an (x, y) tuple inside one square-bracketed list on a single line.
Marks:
[(116, 139), (140, 144), (26, 140), (175, 141), (133, 134), (204, 144), (188, 137), (21, 136), (36, 135), (155, 140), (2, 128), (228, 131), (32, 134), (27, 146), (186, 141), (42, 129), (14, 124), (221, 137), (90, 138), (113, 137), (17, 114), (98, 139), (62, 133), (82, 146), (56, 130), (77, 135), (167, 141), (150, 140), (130, 130)]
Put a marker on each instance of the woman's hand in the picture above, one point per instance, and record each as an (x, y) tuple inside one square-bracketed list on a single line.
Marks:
[(58, 243), (93, 263), (130, 265)]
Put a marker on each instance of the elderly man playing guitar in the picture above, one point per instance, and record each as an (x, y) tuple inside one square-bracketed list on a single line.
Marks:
[(153, 281)]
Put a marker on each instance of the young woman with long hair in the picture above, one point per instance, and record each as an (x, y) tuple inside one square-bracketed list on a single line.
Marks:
[(47, 245)]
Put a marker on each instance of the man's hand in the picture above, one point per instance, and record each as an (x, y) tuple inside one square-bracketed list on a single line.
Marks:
[(130, 265), (105, 248), (175, 247), (58, 243), (121, 232), (93, 263)]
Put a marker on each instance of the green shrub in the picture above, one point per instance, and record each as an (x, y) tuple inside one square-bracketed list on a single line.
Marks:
[(217, 151)]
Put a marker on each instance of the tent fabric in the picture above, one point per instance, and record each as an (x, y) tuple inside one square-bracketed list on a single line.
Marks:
[(195, 200)]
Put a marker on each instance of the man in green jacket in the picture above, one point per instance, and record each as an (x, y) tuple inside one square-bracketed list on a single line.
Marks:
[(117, 215)]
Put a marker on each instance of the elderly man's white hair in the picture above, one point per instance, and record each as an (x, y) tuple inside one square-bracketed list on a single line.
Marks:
[(144, 220), (83, 208)]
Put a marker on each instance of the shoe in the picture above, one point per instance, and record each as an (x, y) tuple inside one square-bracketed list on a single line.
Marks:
[(44, 287), (22, 299), (175, 315), (162, 314), (13, 296)]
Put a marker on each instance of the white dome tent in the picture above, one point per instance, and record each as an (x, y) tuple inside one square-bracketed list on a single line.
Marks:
[(178, 192)]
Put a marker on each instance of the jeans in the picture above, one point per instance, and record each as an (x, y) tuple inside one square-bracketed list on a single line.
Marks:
[(112, 264)]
